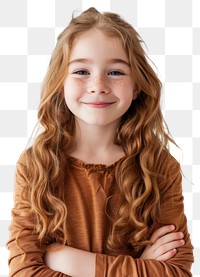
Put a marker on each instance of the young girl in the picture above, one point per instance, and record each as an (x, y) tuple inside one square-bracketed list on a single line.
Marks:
[(98, 193)]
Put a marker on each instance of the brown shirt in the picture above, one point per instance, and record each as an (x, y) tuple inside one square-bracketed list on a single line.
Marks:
[(87, 188)]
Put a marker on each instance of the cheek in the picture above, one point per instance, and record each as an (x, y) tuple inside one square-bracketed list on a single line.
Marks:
[(68, 93), (124, 89), (125, 83), (72, 89)]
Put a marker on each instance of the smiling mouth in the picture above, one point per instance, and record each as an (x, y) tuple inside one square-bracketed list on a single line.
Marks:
[(98, 104)]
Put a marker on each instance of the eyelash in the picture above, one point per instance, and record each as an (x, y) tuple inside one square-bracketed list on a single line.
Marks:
[(85, 72), (116, 71)]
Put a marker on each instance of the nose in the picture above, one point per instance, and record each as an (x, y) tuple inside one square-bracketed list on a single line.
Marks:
[(98, 84)]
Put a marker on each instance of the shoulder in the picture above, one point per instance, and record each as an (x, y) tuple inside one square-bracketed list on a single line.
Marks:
[(172, 164), (23, 164), (168, 163), (171, 174)]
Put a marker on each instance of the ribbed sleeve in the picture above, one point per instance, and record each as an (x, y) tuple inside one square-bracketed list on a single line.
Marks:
[(173, 213), (32, 264)]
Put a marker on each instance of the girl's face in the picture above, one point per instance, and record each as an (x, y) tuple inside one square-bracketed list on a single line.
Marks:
[(99, 86)]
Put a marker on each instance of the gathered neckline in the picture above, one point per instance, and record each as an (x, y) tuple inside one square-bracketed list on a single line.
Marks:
[(100, 166)]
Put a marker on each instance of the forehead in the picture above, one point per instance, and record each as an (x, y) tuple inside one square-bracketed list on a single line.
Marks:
[(95, 43)]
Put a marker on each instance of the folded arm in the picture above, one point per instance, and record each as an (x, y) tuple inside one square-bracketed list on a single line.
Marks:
[(174, 260), (31, 263), (75, 262), (172, 213)]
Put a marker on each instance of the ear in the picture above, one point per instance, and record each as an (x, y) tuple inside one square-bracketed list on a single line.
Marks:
[(135, 93)]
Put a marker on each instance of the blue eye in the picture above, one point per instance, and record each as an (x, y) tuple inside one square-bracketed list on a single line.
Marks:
[(115, 73), (81, 72)]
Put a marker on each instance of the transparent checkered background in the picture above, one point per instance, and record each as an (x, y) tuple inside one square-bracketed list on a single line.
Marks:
[(28, 32)]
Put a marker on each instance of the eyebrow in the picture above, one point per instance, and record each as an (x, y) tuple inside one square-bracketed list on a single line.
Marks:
[(90, 61)]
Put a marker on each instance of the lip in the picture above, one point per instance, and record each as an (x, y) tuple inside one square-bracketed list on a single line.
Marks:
[(98, 104)]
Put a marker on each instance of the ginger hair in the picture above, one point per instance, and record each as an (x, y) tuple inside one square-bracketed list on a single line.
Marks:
[(142, 133)]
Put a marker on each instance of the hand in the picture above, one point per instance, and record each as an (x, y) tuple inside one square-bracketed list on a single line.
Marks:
[(64, 259), (164, 243), (54, 256)]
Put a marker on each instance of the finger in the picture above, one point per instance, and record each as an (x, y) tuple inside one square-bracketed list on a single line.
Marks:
[(168, 247), (161, 232), (168, 238), (167, 255)]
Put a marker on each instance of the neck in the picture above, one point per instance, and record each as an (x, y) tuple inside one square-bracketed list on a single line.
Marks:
[(95, 144)]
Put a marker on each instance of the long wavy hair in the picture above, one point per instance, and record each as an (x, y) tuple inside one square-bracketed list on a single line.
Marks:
[(142, 133)]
